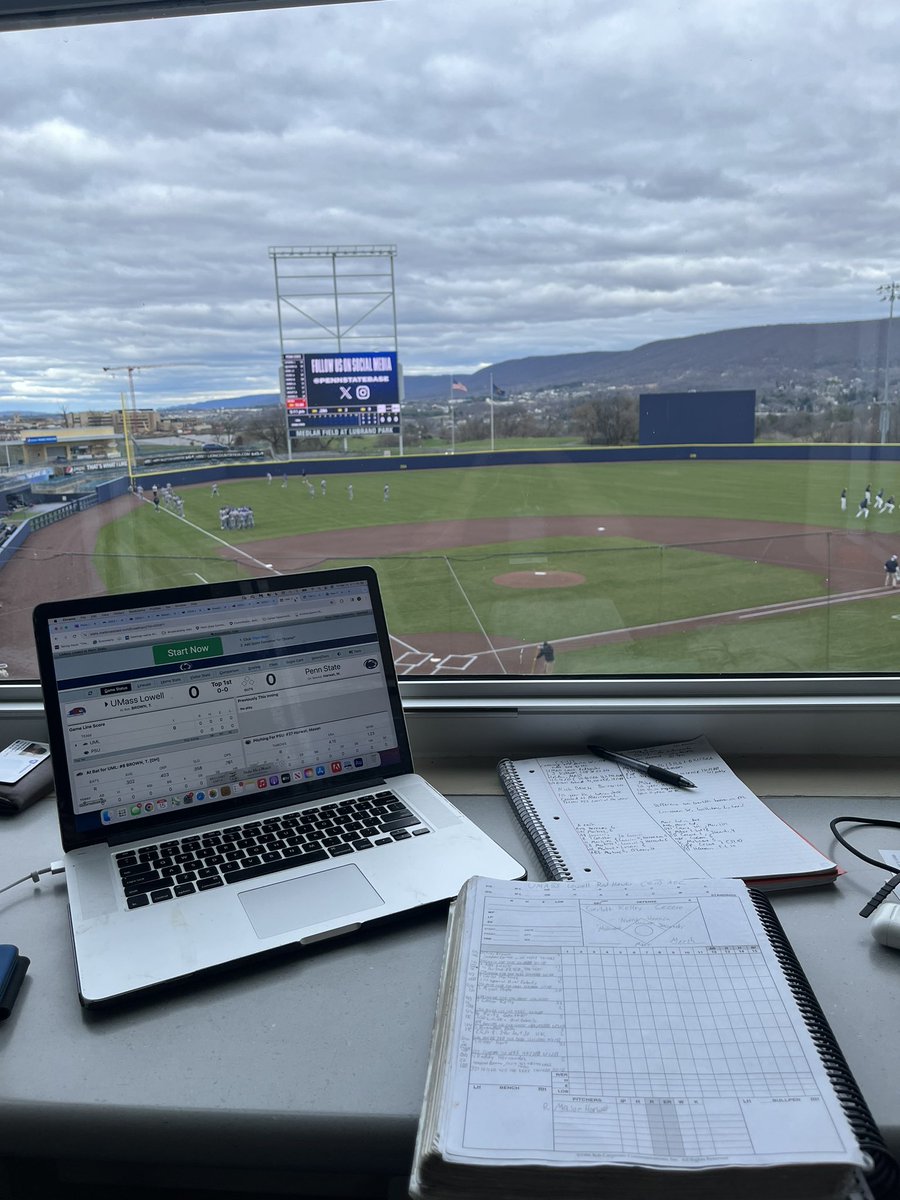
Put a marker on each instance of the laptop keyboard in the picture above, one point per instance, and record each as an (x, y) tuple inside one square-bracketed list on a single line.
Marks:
[(202, 861)]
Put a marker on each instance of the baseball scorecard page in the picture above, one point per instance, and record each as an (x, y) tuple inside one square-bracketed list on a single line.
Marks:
[(647, 1023)]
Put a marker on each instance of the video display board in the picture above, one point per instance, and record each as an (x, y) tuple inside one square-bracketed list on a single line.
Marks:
[(334, 394), (697, 418)]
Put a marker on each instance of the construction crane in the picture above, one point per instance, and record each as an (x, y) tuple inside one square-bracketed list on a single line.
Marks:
[(133, 411), (143, 367)]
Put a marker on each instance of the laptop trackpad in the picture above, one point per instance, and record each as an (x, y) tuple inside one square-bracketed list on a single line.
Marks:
[(309, 900)]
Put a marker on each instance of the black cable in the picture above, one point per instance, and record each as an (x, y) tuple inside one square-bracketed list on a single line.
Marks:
[(884, 891), (880, 896)]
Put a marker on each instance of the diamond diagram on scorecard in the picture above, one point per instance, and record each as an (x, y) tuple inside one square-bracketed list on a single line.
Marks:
[(676, 923)]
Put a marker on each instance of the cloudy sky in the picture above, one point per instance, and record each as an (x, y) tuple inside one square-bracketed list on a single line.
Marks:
[(555, 176)]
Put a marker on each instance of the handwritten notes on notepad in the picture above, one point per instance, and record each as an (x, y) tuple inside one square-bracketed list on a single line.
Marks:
[(589, 818)]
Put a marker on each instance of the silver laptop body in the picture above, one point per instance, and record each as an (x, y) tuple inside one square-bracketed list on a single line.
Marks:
[(233, 775)]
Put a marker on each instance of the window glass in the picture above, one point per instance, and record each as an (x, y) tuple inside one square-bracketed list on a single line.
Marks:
[(583, 315)]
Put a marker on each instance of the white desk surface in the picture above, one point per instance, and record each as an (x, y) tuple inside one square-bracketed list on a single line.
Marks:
[(315, 1063), (794, 775)]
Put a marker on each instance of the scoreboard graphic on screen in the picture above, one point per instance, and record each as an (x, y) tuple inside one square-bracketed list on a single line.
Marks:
[(333, 394)]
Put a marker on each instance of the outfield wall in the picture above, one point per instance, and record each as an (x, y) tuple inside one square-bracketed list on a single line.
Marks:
[(318, 468)]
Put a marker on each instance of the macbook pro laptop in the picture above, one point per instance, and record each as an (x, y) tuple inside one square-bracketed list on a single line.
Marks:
[(233, 775)]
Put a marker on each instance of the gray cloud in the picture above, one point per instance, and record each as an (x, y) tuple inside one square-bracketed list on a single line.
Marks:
[(556, 176)]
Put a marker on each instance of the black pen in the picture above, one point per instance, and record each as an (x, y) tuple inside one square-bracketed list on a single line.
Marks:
[(659, 773)]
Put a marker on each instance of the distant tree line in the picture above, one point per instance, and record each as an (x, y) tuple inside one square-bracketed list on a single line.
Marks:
[(805, 417), (602, 419)]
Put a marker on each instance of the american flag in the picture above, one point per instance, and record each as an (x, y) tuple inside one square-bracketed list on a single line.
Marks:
[(458, 387)]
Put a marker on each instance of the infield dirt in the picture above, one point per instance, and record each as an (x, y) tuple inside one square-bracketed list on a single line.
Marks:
[(57, 562)]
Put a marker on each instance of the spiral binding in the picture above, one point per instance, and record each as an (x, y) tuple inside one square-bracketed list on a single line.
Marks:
[(545, 848), (884, 1177)]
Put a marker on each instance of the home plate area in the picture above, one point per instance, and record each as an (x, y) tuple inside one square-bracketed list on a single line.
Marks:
[(410, 661)]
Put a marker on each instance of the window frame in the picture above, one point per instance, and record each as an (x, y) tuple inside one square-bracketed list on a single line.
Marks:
[(816, 717), (46, 14)]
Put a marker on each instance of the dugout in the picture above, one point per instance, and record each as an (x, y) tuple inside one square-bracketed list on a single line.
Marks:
[(14, 494), (677, 418)]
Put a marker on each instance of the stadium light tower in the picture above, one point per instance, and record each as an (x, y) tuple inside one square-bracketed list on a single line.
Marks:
[(329, 297), (890, 292)]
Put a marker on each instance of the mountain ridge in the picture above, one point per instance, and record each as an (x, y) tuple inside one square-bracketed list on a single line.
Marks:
[(753, 356), (756, 356)]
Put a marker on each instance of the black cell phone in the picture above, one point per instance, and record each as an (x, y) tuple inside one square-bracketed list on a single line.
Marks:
[(12, 971), (22, 787)]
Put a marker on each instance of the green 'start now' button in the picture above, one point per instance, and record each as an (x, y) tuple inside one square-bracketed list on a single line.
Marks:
[(170, 652)]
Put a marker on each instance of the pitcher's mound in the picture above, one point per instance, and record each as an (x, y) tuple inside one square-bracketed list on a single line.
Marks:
[(539, 579)]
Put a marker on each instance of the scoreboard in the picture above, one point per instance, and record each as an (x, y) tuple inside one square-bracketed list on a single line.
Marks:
[(333, 394)]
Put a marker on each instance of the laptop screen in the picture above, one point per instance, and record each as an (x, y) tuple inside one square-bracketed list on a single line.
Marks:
[(218, 697)]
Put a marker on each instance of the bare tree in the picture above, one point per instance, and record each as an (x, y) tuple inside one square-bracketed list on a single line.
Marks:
[(268, 425), (607, 420), (227, 424)]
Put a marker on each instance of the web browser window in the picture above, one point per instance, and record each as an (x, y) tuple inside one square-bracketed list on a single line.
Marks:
[(574, 321), (192, 703)]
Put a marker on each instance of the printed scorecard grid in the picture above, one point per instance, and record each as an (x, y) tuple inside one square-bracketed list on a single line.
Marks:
[(627, 1030), (692, 1023), (681, 1041)]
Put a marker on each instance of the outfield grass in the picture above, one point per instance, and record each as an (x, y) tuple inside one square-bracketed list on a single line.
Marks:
[(154, 550), (765, 491), (626, 584), (855, 637)]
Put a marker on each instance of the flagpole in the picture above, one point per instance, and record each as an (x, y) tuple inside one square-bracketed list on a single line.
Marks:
[(491, 402), (452, 421)]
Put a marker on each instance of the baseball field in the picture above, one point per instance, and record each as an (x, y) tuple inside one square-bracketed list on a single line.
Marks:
[(681, 567), (688, 567)]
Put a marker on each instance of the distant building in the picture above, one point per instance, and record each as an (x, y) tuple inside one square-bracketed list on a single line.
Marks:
[(141, 421), (46, 446)]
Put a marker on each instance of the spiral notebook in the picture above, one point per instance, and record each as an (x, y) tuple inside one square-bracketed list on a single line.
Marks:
[(638, 1040), (589, 818)]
